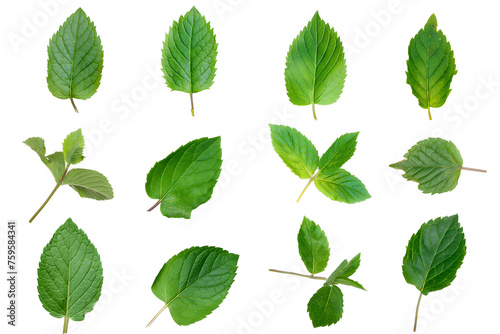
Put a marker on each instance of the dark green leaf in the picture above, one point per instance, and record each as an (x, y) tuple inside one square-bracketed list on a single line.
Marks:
[(313, 246), (350, 282), (326, 306), (342, 186), (89, 184)]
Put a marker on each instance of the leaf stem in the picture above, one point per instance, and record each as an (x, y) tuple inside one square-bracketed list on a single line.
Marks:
[(50, 196), (474, 169), (74, 105), (429, 112), (192, 104), (297, 274), (314, 112), (154, 206), (65, 326), (416, 313), (307, 186), (157, 315)]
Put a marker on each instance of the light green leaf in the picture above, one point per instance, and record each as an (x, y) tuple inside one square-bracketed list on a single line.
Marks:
[(89, 184), (75, 59), (434, 163), (37, 144), (342, 186), (185, 179), (313, 246), (69, 274), (326, 306), (315, 65), (189, 54), (350, 282), (344, 270), (54, 162), (338, 153), (296, 151), (73, 147), (431, 66), (194, 283)]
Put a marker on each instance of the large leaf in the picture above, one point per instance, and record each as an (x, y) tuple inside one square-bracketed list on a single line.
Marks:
[(315, 65), (73, 147), (75, 59), (342, 186), (313, 246), (194, 282), (189, 54), (434, 254), (431, 66), (296, 151), (89, 184), (326, 306), (69, 274), (185, 179), (434, 163), (338, 153)]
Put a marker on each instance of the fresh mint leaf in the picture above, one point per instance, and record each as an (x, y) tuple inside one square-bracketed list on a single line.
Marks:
[(185, 179), (189, 55), (193, 283), (300, 155), (344, 271), (315, 66), (433, 256), (87, 183), (431, 66), (435, 164), (326, 306), (69, 274), (313, 246), (75, 59)]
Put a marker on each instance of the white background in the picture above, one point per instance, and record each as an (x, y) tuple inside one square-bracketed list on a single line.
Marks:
[(134, 120)]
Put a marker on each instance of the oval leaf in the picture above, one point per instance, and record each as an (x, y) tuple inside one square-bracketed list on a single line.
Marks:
[(342, 186), (313, 246), (338, 153), (73, 147), (89, 184), (326, 306)]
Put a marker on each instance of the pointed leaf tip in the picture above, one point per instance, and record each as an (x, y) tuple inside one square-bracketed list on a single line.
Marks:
[(432, 21)]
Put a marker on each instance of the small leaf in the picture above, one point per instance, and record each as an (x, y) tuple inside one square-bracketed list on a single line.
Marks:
[(69, 274), (338, 153), (75, 59), (185, 179), (431, 66), (326, 306), (315, 65), (37, 144), (350, 282), (296, 151), (89, 184), (434, 163), (189, 54), (313, 246), (54, 162), (73, 147), (194, 282), (342, 186), (344, 270)]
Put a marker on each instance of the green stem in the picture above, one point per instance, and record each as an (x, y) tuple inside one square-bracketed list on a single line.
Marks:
[(65, 327), (50, 196), (429, 112), (416, 313), (157, 315), (314, 112), (474, 169), (296, 274), (192, 104), (307, 185), (73, 103)]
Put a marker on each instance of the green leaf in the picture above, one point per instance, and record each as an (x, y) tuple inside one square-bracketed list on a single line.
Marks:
[(185, 179), (326, 306), (431, 66), (54, 162), (75, 59), (37, 144), (350, 282), (69, 274), (338, 153), (89, 184), (189, 54), (434, 163), (73, 147), (342, 186), (434, 254), (315, 65), (313, 246), (296, 151), (194, 282), (344, 270)]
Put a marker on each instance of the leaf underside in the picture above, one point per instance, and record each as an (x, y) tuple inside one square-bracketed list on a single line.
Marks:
[(434, 163), (69, 274), (89, 184), (314, 249), (75, 59), (54, 162), (434, 254), (194, 282)]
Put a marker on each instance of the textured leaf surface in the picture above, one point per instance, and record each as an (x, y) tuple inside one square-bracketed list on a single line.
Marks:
[(73, 147), (296, 151), (338, 153), (75, 58), (431, 66), (69, 274), (315, 65), (89, 184), (325, 306), (434, 254), (342, 186), (189, 54), (313, 246), (434, 163), (185, 179), (54, 162), (194, 282)]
